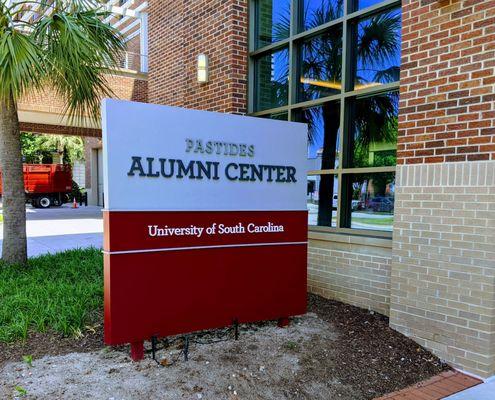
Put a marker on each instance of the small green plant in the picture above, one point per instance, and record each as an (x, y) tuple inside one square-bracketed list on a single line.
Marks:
[(1, 218), (28, 360), (290, 345), (21, 391)]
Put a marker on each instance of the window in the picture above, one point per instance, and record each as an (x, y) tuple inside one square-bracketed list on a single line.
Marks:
[(334, 64), (318, 12), (321, 65), (322, 200), (272, 21), (324, 135), (284, 116), (272, 84), (371, 200), (372, 139), (376, 47), (360, 4)]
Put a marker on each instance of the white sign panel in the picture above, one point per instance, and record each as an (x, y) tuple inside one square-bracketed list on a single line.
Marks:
[(162, 158)]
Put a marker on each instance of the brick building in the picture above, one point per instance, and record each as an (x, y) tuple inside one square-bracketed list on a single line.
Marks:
[(443, 259), (399, 98), (43, 112)]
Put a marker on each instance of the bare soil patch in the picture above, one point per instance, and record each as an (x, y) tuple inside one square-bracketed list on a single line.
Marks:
[(336, 351), (39, 345)]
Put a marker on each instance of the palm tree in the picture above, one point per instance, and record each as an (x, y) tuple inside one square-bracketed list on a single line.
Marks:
[(67, 47), (377, 45)]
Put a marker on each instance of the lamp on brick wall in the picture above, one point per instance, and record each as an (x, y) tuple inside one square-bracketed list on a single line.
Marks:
[(203, 68)]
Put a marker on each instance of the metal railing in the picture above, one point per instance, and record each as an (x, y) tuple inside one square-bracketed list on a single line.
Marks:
[(134, 62)]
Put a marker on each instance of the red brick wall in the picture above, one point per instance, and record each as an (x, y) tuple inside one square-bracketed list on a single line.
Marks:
[(178, 32), (124, 87), (447, 110)]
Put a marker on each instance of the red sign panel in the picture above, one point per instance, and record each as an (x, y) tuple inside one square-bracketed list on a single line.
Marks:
[(248, 269)]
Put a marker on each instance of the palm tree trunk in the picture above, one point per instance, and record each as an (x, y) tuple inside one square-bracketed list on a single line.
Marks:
[(14, 249), (331, 121)]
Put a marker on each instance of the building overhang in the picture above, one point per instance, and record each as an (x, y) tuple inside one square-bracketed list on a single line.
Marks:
[(45, 118)]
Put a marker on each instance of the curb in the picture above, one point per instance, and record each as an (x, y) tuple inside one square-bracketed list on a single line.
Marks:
[(436, 388)]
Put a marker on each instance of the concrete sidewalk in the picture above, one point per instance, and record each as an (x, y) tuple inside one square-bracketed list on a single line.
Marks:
[(484, 391), (62, 228)]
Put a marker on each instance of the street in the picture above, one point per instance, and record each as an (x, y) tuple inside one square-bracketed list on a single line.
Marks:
[(62, 228)]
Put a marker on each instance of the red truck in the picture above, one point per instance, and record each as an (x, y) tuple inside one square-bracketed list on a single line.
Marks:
[(46, 184)]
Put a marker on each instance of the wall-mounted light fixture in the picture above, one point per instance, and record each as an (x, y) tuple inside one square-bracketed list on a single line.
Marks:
[(203, 68)]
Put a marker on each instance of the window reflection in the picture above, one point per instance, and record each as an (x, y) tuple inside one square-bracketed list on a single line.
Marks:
[(350, 166), (323, 135), (374, 131), (321, 65), (284, 116), (273, 21), (372, 201), (378, 50), (360, 4), (272, 80), (322, 200), (319, 12)]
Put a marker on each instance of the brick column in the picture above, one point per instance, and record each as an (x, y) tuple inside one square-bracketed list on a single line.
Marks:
[(443, 264), (178, 32)]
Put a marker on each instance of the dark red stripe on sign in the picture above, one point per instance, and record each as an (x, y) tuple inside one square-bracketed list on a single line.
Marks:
[(161, 294), (161, 230)]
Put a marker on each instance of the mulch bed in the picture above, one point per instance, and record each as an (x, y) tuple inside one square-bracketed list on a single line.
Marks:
[(367, 354), (372, 356)]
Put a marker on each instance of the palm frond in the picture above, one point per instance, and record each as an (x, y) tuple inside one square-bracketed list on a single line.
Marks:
[(375, 119), (79, 49), (68, 47), (281, 29), (388, 75), (378, 41), (327, 11), (22, 64)]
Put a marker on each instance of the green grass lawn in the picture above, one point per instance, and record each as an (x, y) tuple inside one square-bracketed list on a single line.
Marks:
[(374, 221), (62, 292)]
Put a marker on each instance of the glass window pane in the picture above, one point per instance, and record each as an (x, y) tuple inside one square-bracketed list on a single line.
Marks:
[(377, 58), (321, 65), (284, 116), (360, 4), (372, 201), (273, 21), (374, 131), (272, 72), (322, 200), (323, 135), (319, 12)]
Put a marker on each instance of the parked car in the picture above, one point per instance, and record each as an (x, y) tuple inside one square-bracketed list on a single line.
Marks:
[(46, 184), (356, 205), (383, 204)]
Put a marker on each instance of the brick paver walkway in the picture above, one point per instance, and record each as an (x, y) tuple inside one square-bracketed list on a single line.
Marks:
[(436, 388)]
